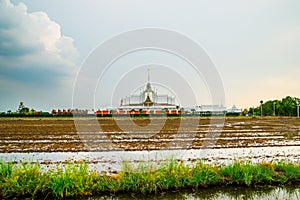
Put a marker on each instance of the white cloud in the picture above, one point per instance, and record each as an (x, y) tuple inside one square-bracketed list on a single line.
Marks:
[(33, 40), (37, 62)]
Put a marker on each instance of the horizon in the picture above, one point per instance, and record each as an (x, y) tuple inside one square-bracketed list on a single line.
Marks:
[(117, 106)]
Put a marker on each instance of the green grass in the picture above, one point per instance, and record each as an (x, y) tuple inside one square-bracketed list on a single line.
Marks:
[(74, 180)]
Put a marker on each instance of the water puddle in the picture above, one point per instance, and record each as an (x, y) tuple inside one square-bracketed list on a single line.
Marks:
[(218, 193), (111, 161)]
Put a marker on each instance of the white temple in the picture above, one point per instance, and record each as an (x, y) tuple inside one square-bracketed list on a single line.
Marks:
[(148, 99)]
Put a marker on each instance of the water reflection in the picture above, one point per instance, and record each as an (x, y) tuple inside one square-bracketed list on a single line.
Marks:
[(112, 160), (218, 193)]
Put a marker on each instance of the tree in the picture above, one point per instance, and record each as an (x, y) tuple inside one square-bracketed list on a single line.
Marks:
[(268, 108), (21, 106), (23, 109), (284, 107), (289, 105), (245, 112)]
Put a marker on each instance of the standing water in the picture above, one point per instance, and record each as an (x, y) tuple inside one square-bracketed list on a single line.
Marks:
[(218, 193)]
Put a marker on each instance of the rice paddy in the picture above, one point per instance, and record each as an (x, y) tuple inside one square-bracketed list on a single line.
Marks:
[(48, 135), (49, 158)]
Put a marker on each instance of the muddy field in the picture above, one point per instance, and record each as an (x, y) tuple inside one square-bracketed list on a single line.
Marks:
[(28, 135)]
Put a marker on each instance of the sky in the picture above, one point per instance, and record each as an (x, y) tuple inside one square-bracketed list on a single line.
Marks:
[(254, 46)]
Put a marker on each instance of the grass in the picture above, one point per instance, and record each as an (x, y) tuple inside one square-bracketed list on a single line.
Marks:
[(74, 180)]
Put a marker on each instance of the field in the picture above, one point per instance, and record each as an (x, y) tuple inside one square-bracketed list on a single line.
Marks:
[(123, 134), (63, 157)]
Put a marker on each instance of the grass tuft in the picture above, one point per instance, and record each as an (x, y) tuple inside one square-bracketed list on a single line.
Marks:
[(75, 180)]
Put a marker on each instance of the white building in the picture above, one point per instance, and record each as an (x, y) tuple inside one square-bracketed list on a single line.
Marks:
[(212, 109), (148, 99), (234, 109)]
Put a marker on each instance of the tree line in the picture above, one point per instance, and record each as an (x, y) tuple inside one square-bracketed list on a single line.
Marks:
[(284, 107)]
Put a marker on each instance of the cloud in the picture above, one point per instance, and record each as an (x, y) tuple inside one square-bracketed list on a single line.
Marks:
[(32, 47), (37, 62)]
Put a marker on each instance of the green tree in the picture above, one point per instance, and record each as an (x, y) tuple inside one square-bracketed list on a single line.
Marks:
[(268, 108), (289, 105), (245, 112), (284, 107), (24, 110)]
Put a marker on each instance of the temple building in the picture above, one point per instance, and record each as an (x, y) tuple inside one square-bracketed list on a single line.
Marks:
[(148, 98)]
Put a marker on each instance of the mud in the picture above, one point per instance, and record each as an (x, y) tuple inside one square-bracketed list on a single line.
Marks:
[(121, 135)]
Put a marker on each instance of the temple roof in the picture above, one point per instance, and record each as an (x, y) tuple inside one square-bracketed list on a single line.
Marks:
[(148, 101)]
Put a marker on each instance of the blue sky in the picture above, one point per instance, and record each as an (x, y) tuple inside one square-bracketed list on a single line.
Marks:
[(253, 44)]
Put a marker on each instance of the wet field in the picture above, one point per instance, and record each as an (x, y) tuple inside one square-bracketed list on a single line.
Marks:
[(145, 134), (106, 143)]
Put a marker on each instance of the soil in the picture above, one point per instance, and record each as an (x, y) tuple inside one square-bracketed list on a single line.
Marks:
[(47, 135)]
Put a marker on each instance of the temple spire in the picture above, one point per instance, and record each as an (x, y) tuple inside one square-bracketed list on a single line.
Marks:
[(148, 74)]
